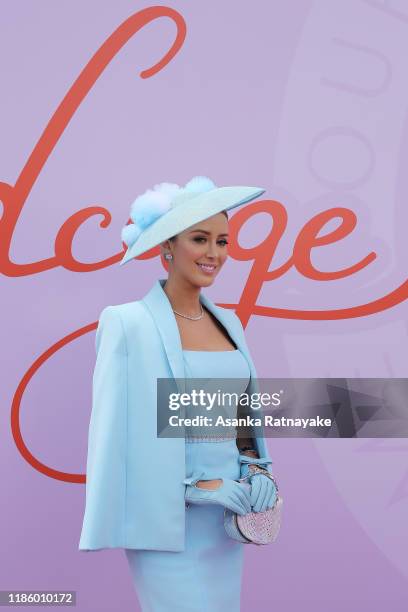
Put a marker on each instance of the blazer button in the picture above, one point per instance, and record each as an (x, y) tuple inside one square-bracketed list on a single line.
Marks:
[(187, 504)]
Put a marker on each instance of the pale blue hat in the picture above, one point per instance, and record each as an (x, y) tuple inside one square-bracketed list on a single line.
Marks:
[(168, 209)]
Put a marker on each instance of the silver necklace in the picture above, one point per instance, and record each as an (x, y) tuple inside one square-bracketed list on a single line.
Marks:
[(191, 318)]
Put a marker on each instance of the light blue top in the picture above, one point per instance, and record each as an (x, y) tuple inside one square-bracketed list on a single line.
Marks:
[(216, 364), (215, 372)]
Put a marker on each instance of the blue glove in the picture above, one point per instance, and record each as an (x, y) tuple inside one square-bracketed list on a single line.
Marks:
[(263, 492), (230, 494), (263, 488), (245, 461)]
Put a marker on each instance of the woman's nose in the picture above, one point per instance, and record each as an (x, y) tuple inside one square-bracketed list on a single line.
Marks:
[(212, 250)]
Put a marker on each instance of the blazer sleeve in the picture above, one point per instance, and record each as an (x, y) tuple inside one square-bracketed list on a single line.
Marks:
[(103, 523)]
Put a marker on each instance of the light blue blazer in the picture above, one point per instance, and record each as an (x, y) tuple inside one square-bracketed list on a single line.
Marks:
[(134, 480)]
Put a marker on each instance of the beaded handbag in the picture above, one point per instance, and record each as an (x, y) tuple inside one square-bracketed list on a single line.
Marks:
[(255, 527)]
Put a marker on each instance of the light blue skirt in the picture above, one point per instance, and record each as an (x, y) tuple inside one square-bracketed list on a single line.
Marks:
[(206, 576)]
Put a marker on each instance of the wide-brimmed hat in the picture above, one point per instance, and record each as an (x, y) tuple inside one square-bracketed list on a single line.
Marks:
[(168, 209)]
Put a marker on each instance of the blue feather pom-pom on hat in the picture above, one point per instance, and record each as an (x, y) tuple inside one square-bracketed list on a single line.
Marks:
[(154, 203), (199, 184)]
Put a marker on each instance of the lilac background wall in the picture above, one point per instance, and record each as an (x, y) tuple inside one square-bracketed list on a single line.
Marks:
[(306, 98)]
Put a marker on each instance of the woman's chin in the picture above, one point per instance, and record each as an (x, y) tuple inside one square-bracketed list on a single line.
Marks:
[(198, 281), (205, 280)]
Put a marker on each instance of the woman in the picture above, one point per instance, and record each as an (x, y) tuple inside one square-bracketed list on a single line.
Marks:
[(162, 499)]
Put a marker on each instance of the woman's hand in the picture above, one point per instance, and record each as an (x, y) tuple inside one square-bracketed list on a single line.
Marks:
[(263, 492), (230, 494)]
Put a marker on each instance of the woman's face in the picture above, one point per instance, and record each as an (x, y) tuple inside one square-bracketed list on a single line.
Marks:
[(204, 243)]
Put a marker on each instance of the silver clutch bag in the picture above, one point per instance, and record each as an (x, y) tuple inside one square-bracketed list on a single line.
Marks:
[(255, 527)]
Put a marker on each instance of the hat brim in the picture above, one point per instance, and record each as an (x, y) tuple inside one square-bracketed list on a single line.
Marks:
[(183, 216)]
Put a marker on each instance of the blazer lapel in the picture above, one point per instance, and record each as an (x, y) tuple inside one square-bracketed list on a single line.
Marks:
[(160, 308)]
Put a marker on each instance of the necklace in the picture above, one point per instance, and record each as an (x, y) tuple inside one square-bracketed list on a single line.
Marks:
[(200, 316)]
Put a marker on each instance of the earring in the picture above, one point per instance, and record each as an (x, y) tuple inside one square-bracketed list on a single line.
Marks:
[(168, 256)]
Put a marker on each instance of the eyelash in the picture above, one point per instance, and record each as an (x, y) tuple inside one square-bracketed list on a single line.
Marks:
[(202, 238)]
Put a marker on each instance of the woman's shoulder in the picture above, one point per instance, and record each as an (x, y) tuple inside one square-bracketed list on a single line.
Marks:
[(126, 312)]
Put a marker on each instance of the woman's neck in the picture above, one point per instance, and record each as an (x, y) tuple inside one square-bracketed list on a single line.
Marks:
[(183, 297)]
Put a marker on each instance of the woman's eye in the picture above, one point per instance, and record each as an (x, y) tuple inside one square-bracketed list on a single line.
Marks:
[(198, 238)]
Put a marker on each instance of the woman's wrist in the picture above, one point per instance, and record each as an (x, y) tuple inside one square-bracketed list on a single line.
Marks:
[(209, 484), (251, 453), (248, 451)]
